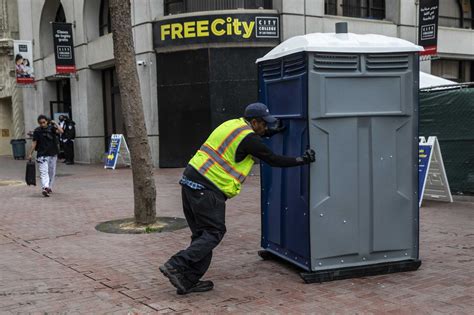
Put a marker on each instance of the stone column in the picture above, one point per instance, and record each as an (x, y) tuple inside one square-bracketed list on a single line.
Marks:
[(9, 88), (18, 121)]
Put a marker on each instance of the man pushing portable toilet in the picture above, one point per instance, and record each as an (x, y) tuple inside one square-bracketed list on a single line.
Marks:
[(354, 99)]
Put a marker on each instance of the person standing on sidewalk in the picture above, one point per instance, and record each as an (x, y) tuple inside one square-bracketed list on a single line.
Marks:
[(67, 138), (216, 173), (62, 121), (45, 142)]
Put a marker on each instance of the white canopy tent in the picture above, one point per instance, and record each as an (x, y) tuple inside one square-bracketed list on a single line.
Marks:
[(429, 81)]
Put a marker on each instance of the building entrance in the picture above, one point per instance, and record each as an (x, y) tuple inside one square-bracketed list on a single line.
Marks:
[(113, 118), (62, 104)]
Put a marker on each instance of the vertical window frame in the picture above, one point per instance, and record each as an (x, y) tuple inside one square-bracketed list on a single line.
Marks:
[(362, 9), (104, 27)]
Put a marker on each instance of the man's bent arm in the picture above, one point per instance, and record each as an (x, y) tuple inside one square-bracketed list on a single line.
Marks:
[(59, 130), (253, 145)]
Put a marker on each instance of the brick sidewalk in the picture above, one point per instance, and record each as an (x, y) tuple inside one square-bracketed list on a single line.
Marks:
[(53, 260)]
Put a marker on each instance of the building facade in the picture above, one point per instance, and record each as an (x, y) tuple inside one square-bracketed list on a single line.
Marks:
[(11, 107), (91, 97), (196, 59)]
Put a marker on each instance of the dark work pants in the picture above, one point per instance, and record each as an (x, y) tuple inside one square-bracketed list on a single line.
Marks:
[(69, 150), (205, 212)]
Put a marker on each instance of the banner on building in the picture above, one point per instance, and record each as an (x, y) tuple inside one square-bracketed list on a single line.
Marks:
[(221, 28), (23, 57), (118, 150), (432, 180), (63, 48), (428, 26)]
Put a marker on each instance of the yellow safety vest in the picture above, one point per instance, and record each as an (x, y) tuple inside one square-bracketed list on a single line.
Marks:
[(215, 160)]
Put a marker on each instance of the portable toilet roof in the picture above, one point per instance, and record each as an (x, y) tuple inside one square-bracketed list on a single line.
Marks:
[(340, 43)]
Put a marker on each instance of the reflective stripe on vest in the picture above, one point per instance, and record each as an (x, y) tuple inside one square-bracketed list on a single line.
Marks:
[(206, 166), (222, 163), (230, 138)]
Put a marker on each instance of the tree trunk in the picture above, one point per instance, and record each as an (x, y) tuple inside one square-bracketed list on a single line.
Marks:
[(144, 189)]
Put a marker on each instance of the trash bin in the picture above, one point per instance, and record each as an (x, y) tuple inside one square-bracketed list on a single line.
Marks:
[(353, 99), (18, 148)]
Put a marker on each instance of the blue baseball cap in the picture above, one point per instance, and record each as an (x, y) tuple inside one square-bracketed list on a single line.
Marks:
[(259, 110)]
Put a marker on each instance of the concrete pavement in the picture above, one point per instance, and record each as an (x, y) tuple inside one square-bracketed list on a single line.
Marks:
[(53, 260)]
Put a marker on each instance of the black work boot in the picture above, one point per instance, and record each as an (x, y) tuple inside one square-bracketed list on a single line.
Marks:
[(200, 286), (174, 276)]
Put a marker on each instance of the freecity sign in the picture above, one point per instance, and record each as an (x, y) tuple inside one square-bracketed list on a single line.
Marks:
[(216, 29)]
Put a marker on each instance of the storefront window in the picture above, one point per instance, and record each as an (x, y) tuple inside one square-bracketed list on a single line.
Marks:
[(330, 7), (450, 13), (367, 9), (456, 13), (183, 6), (104, 18), (454, 70)]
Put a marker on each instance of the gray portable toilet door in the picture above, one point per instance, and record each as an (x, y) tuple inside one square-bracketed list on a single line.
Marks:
[(363, 127)]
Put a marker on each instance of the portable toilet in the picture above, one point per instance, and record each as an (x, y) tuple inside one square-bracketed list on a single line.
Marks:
[(354, 100)]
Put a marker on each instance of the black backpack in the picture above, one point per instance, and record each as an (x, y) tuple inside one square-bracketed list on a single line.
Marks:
[(49, 134)]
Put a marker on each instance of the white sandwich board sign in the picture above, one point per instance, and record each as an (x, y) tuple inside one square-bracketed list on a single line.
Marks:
[(118, 150), (432, 181)]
